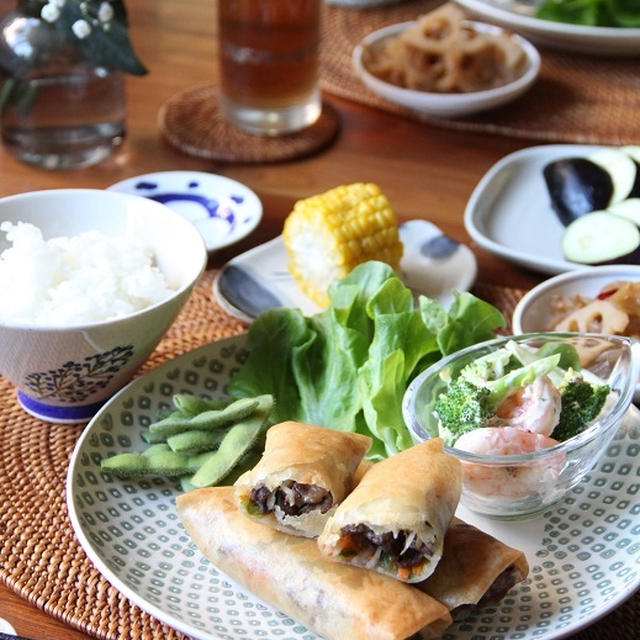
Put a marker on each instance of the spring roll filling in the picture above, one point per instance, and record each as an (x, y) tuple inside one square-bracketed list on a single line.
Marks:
[(291, 498), (402, 549), (501, 586)]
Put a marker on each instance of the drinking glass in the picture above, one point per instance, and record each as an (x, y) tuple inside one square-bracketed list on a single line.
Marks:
[(268, 52)]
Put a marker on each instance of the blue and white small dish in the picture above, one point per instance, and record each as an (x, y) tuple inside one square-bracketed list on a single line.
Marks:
[(432, 264), (223, 210)]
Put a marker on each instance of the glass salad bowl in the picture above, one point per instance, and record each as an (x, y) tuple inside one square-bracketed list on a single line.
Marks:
[(528, 437)]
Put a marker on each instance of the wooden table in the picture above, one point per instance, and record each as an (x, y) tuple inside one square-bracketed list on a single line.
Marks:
[(425, 172)]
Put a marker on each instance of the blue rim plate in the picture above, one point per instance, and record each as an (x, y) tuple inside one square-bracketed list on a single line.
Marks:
[(584, 553), (223, 210)]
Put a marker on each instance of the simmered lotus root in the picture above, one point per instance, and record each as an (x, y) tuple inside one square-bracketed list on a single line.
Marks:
[(441, 54), (599, 316)]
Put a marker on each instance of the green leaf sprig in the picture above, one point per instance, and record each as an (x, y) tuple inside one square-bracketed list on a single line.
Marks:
[(99, 28)]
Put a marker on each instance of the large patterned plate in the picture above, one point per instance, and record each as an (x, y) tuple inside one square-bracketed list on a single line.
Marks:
[(584, 554)]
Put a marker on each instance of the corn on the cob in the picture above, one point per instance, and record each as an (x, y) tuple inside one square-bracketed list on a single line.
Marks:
[(327, 235)]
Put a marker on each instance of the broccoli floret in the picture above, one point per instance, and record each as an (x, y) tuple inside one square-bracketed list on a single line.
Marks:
[(581, 403), (463, 407)]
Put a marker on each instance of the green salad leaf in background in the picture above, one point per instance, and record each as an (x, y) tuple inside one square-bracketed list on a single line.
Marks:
[(348, 367), (595, 13)]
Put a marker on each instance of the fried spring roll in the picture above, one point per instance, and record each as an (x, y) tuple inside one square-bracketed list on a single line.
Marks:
[(339, 602), (475, 569), (304, 473), (395, 520)]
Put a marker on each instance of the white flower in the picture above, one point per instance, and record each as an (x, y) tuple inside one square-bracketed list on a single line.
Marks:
[(50, 12), (105, 12), (23, 49), (81, 28), (57, 3)]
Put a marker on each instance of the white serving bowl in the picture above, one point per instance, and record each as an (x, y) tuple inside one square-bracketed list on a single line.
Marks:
[(446, 105), (64, 373)]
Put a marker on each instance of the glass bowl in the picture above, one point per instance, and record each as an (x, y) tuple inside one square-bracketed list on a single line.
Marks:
[(521, 485)]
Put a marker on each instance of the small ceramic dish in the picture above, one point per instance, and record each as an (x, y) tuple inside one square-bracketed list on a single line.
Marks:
[(446, 105), (533, 311), (224, 211)]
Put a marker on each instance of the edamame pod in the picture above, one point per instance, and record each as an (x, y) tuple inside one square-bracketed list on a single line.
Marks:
[(211, 419), (195, 441), (236, 443), (192, 405)]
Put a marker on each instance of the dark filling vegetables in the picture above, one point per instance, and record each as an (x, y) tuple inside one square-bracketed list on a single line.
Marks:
[(500, 586), (301, 499), (362, 537)]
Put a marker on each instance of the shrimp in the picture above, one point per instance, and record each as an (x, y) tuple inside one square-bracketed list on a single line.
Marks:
[(508, 480), (534, 408), (502, 441)]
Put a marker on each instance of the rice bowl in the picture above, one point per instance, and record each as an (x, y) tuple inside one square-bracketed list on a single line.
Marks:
[(65, 368)]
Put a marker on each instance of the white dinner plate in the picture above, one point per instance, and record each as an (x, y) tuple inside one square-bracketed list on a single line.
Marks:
[(447, 105), (518, 15), (432, 264), (509, 212), (584, 553), (223, 210)]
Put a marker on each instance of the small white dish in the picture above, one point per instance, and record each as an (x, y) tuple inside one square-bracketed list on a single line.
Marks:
[(432, 264), (509, 212), (518, 15), (532, 312), (446, 105), (223, 210)]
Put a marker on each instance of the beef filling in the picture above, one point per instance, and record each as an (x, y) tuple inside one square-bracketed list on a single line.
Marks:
[(500, 586), (362, 538), (293, 498)]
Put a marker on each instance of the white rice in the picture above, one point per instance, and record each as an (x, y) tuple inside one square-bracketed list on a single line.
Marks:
[(74, 280)]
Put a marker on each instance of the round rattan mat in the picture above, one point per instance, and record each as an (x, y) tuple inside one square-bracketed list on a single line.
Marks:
[(576, 98), (40, 558), (192, 122)]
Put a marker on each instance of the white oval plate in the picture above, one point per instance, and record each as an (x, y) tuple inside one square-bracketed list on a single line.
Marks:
[(518, 15), (584, 553), (509, 212), (223, 210), (447, 105), (432, 264)]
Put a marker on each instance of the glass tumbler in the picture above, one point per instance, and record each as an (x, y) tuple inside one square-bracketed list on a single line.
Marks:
[(268, 53)]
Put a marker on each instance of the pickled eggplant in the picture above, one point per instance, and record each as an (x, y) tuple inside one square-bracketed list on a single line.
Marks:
[(577, 186), (580, 185)]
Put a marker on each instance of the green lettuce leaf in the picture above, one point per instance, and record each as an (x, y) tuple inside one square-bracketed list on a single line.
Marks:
[(348, 367)]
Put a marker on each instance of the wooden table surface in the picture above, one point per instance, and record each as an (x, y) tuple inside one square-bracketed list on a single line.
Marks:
[(424, 171)]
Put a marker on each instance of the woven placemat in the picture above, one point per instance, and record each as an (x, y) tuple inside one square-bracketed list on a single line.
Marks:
[(577, 98), (192, 122), (40, 558)]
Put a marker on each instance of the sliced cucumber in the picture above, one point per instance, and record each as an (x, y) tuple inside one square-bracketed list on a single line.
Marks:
[(601, 237), (621, 168)]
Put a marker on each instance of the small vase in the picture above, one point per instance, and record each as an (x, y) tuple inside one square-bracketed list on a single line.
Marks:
[(58, 108)]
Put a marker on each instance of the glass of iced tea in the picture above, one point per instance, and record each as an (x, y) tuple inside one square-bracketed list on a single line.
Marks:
[(268, 52)]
